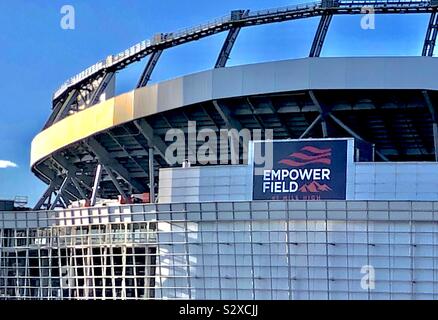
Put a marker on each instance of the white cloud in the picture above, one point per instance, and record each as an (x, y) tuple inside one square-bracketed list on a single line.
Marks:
[(7, 164)]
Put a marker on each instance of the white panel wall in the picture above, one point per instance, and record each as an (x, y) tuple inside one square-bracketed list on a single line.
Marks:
[(299, 250), (365, 181), (200, 184), (238, 250), (396, 181), (292, 75)]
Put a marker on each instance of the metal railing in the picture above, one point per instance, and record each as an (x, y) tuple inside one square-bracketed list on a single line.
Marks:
[(304, 6)]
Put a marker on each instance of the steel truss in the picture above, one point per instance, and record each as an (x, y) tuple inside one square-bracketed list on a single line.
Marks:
[(324, 114), (234, 23), (150, 66), (321, 33), (432, 30), (225, 52)]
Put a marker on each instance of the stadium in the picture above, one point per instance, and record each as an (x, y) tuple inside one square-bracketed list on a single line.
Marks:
[(347, 208)]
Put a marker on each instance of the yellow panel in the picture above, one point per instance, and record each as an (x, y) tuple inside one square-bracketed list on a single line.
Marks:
[(72, 129), (123, 110), (93, 120), (145, 101)]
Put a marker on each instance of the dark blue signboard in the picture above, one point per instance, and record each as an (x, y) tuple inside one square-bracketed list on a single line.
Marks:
[(300, 170)]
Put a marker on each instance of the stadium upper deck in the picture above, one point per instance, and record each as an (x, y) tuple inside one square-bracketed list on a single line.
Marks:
[(110, 145)]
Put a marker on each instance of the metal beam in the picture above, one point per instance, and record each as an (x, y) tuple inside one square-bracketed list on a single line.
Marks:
[(321, 32), (54, 181), (435, 139), (79, 188), (431, 34), (434, 114), (225, 52), (150, 66), (115, 182), (151, 176), (254, 113), (96, 183), (209, 116), (46, 194), (107, 160), (70, 194), (346, 128), (65, 106), (153, 140), (95, 96), (54, 113), (354, 134), (432, 109), (226, 115), (324, 128), (63, 202), (60, 191), (83, 184), (72, 170), (312, 125), (280, 118), (323, 111), (126, 152)]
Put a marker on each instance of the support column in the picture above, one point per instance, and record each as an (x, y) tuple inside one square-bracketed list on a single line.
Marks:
[(96, 183), (224, 55), (46, 194), (63, 110), (105, 158), (150, 66), (431, 34), (355, 135), (95, 96), (434, 114), (63, 202), (323, 112), (153, 140), (227, 116), (79, 188), (115, 182), (151, 176), (60, 191), (320, 35), (310, 128), (435, 140)]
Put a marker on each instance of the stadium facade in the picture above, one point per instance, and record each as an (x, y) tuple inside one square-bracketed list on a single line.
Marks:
[(346, 209)]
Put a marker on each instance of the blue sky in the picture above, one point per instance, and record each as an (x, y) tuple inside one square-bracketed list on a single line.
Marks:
[(37, 55)]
